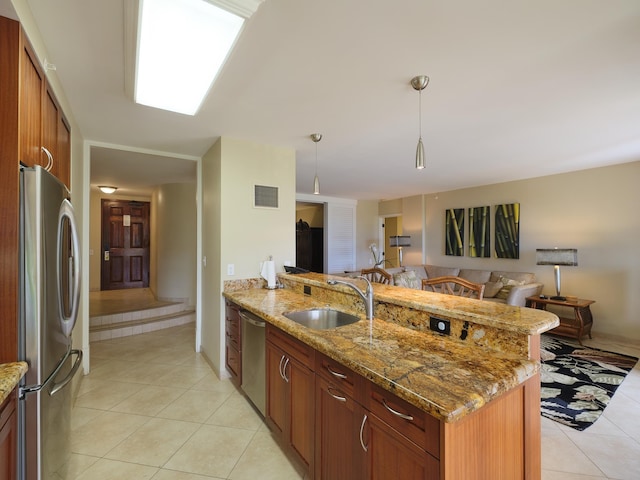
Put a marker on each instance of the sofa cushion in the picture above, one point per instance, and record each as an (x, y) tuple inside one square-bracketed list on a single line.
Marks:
[(491, 289), (434, 271), (524, 277), (474, 275), (419, 271), (508, 284), (407, 279)]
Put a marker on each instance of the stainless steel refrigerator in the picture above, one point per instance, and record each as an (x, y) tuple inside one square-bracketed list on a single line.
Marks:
[(49, 296)]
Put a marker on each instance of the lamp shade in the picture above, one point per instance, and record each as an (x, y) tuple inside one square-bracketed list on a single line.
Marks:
[(399, 241), (557, 256)]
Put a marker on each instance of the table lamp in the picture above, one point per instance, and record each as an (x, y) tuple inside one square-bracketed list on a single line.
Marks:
[(567, 257), (400, 241)]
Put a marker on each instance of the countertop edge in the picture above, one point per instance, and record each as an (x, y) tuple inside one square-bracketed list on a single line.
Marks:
[(10, 376)]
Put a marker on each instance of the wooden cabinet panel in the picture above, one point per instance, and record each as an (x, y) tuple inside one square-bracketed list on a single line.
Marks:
[(233, 342), (410, 421), (32, 87), (290, 393), (302, 404), (391, 456), (339, 454), (63, 164), (8, 438), (277, 390)]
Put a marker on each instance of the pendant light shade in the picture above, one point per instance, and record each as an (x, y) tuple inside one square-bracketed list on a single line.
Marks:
[(419, 83), (316, 137)]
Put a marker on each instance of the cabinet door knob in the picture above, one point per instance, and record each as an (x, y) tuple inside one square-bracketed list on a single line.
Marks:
[(50, 159), (335, 374), (337, 397), (395, 412), (364, 420)]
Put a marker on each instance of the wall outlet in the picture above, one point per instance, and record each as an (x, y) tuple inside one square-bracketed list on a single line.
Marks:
[(440, 325), (231, 269)]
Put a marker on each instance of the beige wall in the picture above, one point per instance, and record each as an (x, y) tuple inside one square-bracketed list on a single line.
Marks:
[(366, 232), (592, 210), (234, 231), (175, 206), (96, 231)]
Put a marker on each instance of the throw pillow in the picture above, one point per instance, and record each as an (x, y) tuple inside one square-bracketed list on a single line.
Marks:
[(407, 279), (507, 285), (491, 289)]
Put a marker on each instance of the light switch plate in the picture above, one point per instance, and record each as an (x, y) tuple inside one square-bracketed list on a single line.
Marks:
[(231, 269)]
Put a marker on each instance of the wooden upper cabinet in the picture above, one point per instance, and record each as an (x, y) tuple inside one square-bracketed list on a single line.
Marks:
[(43, 129), (32, 88)]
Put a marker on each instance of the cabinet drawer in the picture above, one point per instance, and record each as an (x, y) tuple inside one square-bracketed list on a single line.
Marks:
[(418, 426), (337, 374), (233, 360), (295, 348), (233, 340)]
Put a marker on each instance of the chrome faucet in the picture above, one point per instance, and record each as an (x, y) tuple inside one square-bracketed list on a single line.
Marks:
[(367, 296)]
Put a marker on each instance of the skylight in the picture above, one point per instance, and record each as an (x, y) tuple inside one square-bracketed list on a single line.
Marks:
[(182, 46)]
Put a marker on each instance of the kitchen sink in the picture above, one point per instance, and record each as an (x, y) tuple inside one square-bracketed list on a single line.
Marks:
[(321, 318)]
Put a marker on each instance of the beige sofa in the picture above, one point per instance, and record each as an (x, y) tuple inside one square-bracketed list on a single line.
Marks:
[(511, 288)]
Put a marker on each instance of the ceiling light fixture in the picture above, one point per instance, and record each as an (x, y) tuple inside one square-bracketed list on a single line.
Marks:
[(180, 46), (316, 137), (420, 83), (107, 189)]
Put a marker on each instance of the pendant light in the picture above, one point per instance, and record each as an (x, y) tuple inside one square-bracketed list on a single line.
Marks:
[(316, 137), (420, 83)]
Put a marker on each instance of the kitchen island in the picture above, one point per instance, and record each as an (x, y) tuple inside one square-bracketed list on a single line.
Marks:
[(478, 387)]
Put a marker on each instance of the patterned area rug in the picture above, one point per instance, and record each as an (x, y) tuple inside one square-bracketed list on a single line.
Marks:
[(578, 382)]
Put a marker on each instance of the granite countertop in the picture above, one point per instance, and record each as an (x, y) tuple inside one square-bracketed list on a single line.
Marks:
[(10, 375), (445, 377)]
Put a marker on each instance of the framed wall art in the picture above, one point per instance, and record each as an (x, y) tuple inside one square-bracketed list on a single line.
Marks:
[(480, 232), (507, 236), (454, 232)]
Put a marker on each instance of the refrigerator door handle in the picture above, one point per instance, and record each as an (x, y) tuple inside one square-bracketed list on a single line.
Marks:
[(68, 322), (59, 386), (26, 389)]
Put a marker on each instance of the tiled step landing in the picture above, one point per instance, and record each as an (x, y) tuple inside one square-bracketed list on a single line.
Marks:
[(107, 327)]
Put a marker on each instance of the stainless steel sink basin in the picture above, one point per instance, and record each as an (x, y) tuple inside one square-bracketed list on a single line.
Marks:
[(322, 318)]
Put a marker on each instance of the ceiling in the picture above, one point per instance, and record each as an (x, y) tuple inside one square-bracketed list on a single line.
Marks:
[(517, 90)]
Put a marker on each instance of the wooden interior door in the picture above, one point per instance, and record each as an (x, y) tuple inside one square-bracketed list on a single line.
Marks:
[(125, 244)]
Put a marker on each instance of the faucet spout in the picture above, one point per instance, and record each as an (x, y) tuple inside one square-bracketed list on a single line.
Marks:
[(367, 295)]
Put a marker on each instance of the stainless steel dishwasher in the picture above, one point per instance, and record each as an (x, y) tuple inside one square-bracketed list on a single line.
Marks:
[(253, 359)]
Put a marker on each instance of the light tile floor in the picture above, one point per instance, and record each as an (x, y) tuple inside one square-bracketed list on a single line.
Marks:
[(153, 409)]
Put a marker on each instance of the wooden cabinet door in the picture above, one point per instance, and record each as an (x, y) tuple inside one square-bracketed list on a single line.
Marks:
[(32, 82), (391, 456), (233, 343), (301, 411), (63, 158), (50, 114), (8, 438), (338, 452), (277, 391)]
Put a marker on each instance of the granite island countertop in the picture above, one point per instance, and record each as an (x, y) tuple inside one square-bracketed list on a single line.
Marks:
[(10, 375), (444, 377)]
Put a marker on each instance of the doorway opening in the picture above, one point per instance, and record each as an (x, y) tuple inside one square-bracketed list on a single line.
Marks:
[(310, 236), (390, 226)]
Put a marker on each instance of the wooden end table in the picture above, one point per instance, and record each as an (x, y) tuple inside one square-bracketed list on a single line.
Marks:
[(576, 327)]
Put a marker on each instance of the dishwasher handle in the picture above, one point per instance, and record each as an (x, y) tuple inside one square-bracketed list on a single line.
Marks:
[(252, 319)]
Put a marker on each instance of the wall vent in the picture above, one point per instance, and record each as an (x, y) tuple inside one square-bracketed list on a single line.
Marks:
[(266, 197)]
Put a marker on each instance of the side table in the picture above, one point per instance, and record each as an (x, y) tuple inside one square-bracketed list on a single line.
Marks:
[(576, 327)]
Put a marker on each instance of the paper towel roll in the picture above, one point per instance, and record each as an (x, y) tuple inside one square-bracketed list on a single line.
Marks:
[(268, 272)]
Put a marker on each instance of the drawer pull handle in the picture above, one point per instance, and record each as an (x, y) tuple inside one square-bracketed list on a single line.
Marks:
[(337, 397), (49, 159), (364, 420), (280, 367), (284, 370), (395, 412), (335, 374)]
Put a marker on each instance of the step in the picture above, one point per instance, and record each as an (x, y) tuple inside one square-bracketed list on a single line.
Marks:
[(108, 331), (167, 309)]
